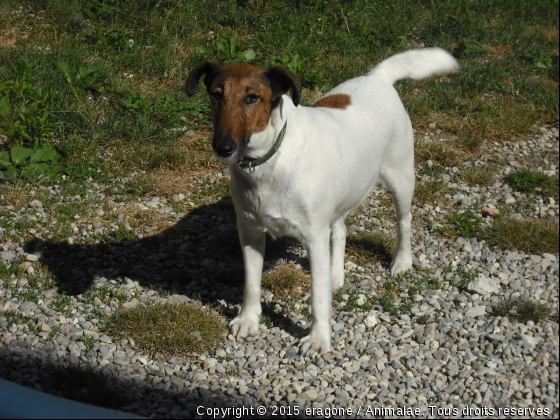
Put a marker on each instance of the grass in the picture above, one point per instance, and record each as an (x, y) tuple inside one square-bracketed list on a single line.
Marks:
[(169, 328), (287, 281), (88, 385), (461, 224), (430, 191), (100, 83), (437, 152), (533, 182), (478, 175), (367, 247), (523, 310), (534, 236)]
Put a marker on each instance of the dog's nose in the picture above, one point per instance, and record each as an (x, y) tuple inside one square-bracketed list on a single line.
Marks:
[(225, 149)]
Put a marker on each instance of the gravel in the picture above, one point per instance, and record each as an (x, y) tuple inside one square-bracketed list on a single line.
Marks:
[(460, 357)]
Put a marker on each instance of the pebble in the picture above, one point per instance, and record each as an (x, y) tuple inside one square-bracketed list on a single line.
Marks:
[(441, 343)]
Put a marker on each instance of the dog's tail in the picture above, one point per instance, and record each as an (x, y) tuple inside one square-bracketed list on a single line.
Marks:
[(415, 64)]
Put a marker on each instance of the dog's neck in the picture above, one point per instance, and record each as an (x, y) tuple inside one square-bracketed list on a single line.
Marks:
[(261, 143)]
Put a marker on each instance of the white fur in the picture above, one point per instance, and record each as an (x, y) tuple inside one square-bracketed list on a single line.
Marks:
[(328, 163)]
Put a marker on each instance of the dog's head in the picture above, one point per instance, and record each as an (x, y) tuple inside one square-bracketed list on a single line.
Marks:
[(242, 97)]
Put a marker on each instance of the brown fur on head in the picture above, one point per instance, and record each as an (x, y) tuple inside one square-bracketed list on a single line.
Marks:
[(242, 97)]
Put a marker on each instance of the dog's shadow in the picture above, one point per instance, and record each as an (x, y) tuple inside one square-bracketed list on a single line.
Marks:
[(200, 257)]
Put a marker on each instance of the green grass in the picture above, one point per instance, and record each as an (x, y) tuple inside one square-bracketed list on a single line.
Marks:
[(169, 328), (430, 191), (286, 281), (533, 182), (461, 224), (523, 310), (366, 246), (478, 175), (100, 82), (88, 385), (534, 236)]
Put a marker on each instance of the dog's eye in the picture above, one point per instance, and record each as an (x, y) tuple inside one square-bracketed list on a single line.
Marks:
[(216, 96), (251, 99)]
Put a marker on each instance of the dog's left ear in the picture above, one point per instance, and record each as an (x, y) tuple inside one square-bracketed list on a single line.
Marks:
[(281, 81), (206, 69)]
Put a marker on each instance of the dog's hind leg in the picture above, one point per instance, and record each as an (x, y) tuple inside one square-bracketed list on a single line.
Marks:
[(338, 245), (252, 244), (401, 182)]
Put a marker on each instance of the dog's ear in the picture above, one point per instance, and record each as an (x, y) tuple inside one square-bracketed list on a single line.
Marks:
[(281, 81), (206, 69)]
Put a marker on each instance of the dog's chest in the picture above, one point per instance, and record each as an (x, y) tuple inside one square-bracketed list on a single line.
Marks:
[(268, 211)]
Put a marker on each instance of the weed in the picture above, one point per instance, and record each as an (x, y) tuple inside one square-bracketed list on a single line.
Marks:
[(532, 236), (430, 191), (422, 319), (89, 341), (16, 317), (86, 384), (266, 320), (169, 328), (478, 175), (461, 277), (286, 280), (465, 225), (61, 303), (437, 152), (533, 182), (368, 246), (523, 310)]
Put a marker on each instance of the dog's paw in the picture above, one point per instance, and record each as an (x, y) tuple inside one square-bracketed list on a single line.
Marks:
[(314, 343), (400, 265), (244, 325)]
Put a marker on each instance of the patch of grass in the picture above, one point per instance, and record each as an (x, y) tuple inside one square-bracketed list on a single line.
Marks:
[(523, 310), (533, 182), (88, 385), (367, 247), (430, 191), (465, 225), (16, 317), (169, 328), (437, 152), (286, 281), (534, 236), (478, 175), (461, 277)]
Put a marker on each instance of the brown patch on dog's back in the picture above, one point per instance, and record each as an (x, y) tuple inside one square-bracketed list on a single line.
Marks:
[(338, 100)]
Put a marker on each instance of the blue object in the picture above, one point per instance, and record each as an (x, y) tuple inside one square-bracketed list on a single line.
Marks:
[(19, 402)]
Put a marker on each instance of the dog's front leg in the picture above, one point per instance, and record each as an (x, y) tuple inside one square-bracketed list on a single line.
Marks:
[(319, 338), (252, 244)]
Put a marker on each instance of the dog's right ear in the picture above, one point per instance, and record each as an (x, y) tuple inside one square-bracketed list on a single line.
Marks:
[(206, 69)]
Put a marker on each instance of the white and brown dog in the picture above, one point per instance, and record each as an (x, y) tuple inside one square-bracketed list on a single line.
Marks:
[(298, 171)]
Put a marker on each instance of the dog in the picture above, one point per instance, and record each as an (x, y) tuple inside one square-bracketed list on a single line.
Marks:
[(298, 171)]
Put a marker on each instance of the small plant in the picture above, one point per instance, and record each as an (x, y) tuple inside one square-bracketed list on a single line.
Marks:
[(61, 303), (461, 277), (30, 163), (169, 328), (533, 236), (465, 225), (430, 191), (266, 320), (523, 310), (86, 384), (533, 182), (286, 280), (367, 246), (539, 60), (89, 341), (422, 319), (478, 175), (437, 152), (15, 317)]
